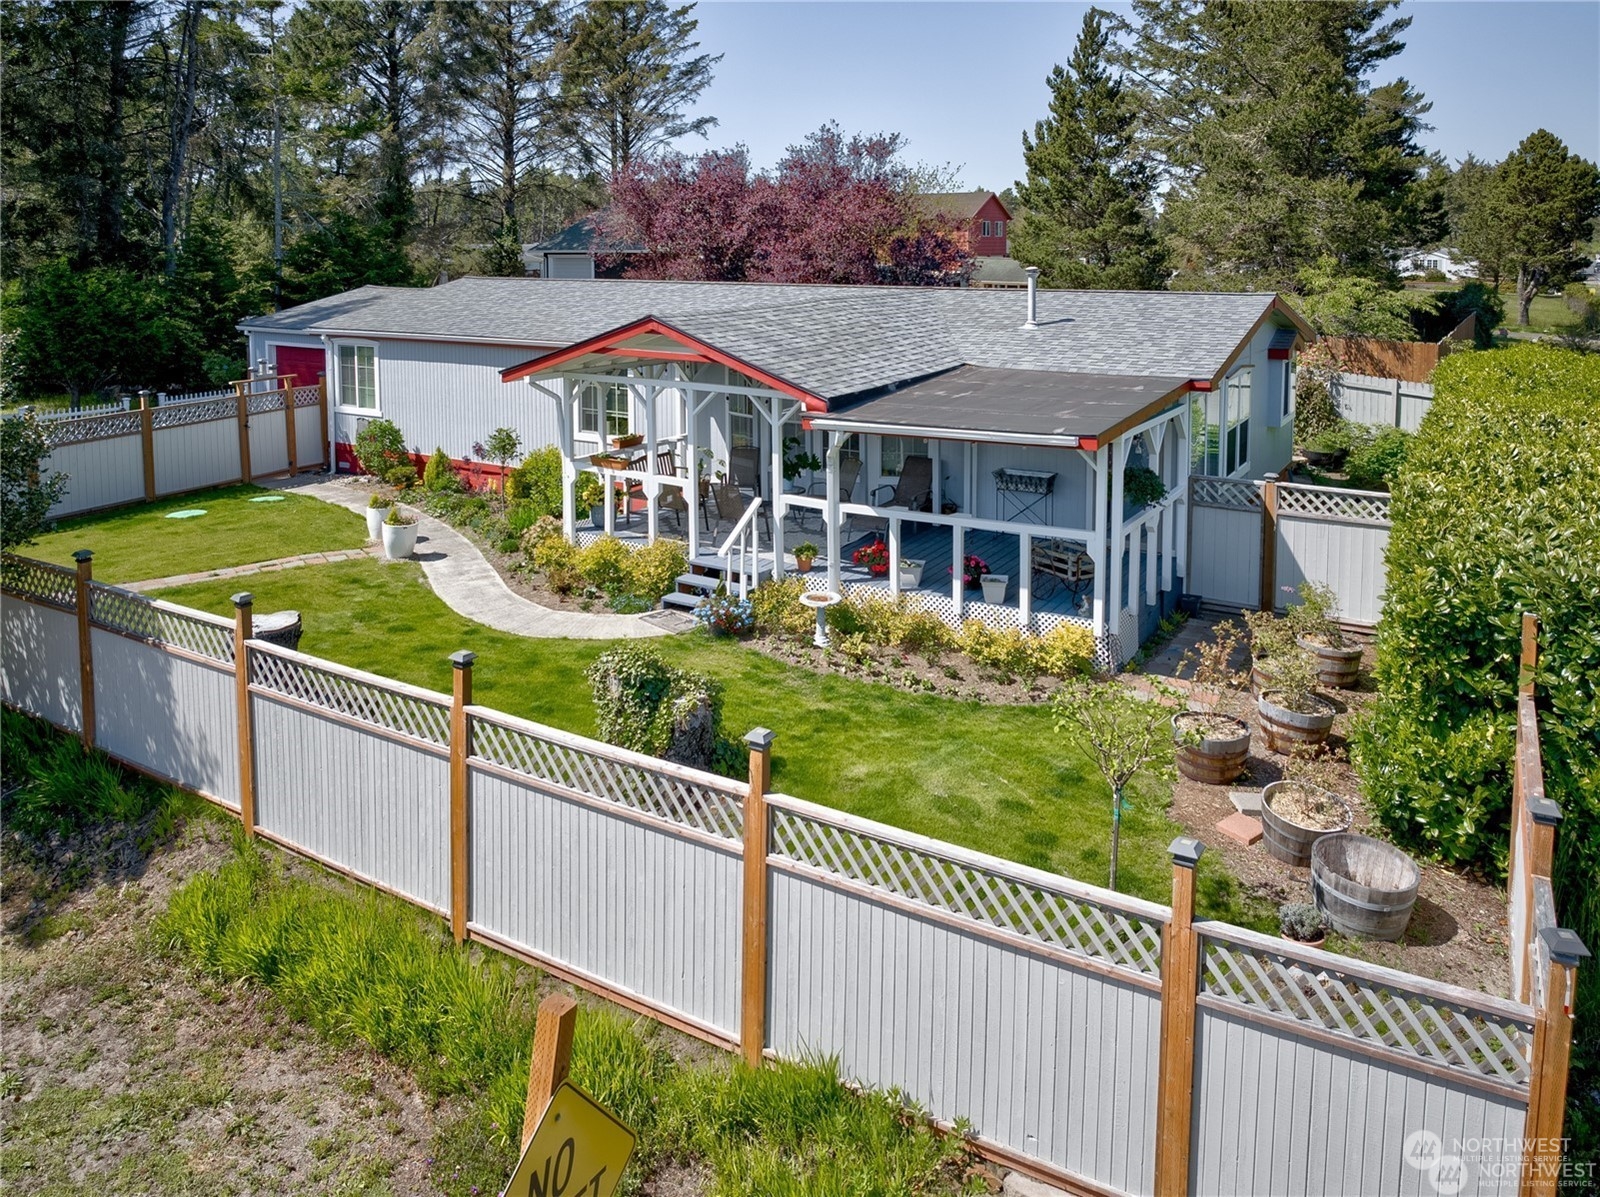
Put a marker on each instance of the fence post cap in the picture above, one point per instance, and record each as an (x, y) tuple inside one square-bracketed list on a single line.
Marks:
[(1544, 811), (1564, 944), (1186, 851), (82, 555), (243, 599), (463, 659), (760, 738)]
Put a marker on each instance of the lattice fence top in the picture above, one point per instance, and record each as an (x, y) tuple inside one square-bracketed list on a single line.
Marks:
[(40, 581), (1484, 1042), (92, 428), (122, 611), (946, 882), (394, 710), (269, 402), (707, 807), (307, 396), (1226, 492), (1352, 506), (175, 415)]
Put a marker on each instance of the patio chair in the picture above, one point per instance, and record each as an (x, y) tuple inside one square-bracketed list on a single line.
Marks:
[(670, 497), (849, 475), (912, 491), (731, 506), (745, 462), (1062, 563)]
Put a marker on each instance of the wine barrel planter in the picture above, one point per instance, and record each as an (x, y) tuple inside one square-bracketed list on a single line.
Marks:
[(1286, 728), (1336, 667), (1260, 676), (1366, 887), (1213, 759), (1288, 841)]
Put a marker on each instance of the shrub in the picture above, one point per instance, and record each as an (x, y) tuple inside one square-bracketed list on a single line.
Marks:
[(25, 497), (1314, 408), (652, 571), (642, 703), (1142, 486), (440, 474), (604, 563), (1066, 650), (401, 477), (726, 615), (588, 491), (538, 481), (557, 559), (544, 528), (1301, 921), (1002, 649), (380, 501), (381, 449), (777, 611), (1375, 461)]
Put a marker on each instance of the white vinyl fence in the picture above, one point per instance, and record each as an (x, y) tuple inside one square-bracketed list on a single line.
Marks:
[(1029, 1005), (1385, 402)]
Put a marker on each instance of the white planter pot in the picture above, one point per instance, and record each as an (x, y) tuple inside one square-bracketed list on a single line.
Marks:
[(375, 518), (994, 587), (911, 574), (399, 540)]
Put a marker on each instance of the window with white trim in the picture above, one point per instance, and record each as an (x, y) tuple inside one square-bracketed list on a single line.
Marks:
[(1286, 413), (986, 229), (1237, 390), (893, 451), (1219, 427), (358, 377), (603, 408), (741, 422)]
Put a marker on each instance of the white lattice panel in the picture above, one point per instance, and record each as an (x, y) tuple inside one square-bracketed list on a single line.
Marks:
[(706, 808), (92, 428), (307, 396), (396, 711), (39, 580), (1065, 921), (1483, 1043), (131, 613), (256, 404), (175, 415), (1357, 507), (1225, 492)]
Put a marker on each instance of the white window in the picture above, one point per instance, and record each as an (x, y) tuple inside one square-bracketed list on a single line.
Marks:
[(603, 408), (1237, 389), (894, 451), (986, 232), (358, 377), (1286, 412), (1219, 427), (741, 422), (999, 228)]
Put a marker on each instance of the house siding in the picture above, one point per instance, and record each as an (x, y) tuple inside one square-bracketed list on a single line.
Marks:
[(991, 246)]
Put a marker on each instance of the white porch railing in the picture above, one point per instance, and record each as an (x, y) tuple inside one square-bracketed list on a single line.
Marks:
[(742, 546)]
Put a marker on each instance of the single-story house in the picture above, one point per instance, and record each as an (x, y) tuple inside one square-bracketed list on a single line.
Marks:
[(1001, 425), (571, 252), (1447, 262)]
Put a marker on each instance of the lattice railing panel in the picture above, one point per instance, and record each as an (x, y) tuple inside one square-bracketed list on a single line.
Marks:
[(1353, 506), (1483, 1043), (175, 415), (256, 404), (705, 807), (1226, 492), (395, 711), (40, 581), (1117, 937), (307, 396), (124, 612), (92, 428)]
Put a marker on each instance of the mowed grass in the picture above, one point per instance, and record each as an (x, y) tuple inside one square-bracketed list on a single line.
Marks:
[(997, 779), (139, 543)]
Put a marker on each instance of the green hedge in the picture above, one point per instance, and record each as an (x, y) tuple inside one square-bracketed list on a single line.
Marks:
[(1495, 512)]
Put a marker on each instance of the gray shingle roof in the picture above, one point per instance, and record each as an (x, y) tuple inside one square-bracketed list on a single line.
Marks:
[(831, 341)]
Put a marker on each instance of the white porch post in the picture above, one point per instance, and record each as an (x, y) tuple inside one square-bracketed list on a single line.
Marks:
[(958, 550), (1100, 544), (894, 556), (691, 452), (775, 414), (569, 467), (970, 489), (1180, 510), (1025, 580), (607, 484), (834, 532), (652, 488), (1152, 563), (1119, 462), (936, 452)]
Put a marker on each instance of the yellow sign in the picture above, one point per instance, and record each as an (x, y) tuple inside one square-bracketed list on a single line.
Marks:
[(578, 1150)]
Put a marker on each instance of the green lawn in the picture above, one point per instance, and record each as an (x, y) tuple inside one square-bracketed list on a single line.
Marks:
[(996, 779), (135, 544)]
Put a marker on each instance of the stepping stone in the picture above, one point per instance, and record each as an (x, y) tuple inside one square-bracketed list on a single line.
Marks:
[(1241, 828), (1246, 802)]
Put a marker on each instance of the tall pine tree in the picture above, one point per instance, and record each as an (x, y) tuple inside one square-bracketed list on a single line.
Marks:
[(1086, 220)]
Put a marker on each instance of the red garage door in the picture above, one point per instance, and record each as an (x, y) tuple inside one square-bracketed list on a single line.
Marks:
[(310, 431), (304, 364)]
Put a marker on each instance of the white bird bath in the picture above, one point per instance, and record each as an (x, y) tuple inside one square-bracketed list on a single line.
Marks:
[(820, 601)]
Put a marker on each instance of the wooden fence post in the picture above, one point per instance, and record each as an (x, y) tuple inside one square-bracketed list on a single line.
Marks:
[(243, 630), (288, 423), (241, 392), (552, 1057), (1530, 653), (460, 748), (1269, 543), (1180, 976), (753, 1003), (81, 594), (1547, 1070), (147, 445)]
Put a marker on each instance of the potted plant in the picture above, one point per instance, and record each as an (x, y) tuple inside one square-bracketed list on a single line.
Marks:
[(874, 556), (1303, 923), (1328, 449), (377, 511), (1211, 745), (797, 460), (399, 534), (589, 492), (610, 461), (973, 567), (1141, 486), (911, 573), (1295, 814), (1270, 637), (994, 587), (804, 555), (1314, 621), (1292, 712), (627, 441)]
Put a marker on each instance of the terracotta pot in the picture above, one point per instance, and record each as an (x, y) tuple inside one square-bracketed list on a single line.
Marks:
[(802, 565), (1286, 728), (1214, 760), (1290, 842), (1336, 667)]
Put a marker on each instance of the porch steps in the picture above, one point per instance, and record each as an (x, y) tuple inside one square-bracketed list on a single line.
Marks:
[(705, 575)]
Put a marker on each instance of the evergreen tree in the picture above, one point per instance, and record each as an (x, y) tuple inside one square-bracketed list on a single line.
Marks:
[(1086, 219)]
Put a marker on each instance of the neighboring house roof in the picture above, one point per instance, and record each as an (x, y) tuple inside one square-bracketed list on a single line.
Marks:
[(962, 204), (585, 237)]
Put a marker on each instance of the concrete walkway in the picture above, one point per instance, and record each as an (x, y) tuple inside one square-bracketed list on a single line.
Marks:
[(470, 586), (258, 567)]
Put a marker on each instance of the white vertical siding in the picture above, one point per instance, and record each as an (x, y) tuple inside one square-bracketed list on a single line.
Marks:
[(1064, 507), (193, 456), (1346, 556), (269, 443), (1385, 402), (1225, 555), (169, 714), (309, 448), (639, 908), (1051, 1061), (99, 474), (39, 662), (365, 801)]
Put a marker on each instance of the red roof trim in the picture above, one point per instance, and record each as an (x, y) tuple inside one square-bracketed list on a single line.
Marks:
[(1277, 355), (658, 355), (649, 324), (1198, 384)]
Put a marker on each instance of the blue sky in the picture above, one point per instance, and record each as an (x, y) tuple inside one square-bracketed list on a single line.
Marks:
[(963, 80)]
